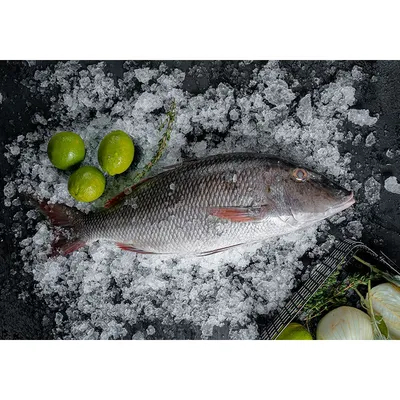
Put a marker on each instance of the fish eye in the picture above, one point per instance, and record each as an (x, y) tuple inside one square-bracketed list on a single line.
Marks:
[(300, 174)]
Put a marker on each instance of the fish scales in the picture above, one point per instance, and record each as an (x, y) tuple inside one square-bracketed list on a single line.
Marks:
[(166, 220)]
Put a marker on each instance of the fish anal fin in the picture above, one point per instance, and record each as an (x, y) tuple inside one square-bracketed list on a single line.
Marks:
[(240, 214), (132, 248)]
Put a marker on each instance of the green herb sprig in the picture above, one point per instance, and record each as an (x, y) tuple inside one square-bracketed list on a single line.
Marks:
[(331, 294), (162, 144)]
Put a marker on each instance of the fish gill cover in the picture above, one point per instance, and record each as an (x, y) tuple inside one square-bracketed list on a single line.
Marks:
[(102, 292)]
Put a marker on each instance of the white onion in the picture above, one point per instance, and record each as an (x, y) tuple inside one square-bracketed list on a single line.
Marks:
[(345, 323), (385, 300)]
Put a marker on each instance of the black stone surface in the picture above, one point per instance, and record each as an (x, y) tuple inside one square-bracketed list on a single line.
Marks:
[(24, 316)]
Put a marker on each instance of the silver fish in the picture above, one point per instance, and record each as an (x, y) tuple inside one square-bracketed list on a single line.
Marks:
[(205, 206)]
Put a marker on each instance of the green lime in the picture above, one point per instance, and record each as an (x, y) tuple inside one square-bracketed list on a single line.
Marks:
[(66, 149), (116, 152), (86, 184), (295, 331)]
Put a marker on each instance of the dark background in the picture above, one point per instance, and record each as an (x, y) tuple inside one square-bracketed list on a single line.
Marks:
[(27, 317)]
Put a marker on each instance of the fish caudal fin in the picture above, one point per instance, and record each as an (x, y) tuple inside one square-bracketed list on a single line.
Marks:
[(62, 245), (60, 214), (69, 238)]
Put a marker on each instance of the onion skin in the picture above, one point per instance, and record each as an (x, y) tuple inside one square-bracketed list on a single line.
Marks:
[(385, 300), (345, 323)]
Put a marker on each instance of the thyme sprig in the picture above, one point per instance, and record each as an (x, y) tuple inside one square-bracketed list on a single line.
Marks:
[(162, 144)]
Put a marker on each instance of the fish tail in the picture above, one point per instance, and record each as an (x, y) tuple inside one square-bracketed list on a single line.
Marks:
[(71, 236)]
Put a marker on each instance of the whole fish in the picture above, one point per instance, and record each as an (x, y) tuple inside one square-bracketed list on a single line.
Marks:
[(205, 206)]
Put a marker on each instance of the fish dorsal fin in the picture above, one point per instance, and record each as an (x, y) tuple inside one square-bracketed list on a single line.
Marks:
[(119, 197), (127, 191), (185, 162)]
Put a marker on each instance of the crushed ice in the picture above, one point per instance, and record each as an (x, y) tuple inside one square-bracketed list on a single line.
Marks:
[(108, 293)]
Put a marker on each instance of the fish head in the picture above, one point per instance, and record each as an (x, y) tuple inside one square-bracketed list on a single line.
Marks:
[(306, 196)]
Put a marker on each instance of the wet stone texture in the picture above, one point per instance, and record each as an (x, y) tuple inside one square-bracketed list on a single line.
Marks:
[(223, 106)]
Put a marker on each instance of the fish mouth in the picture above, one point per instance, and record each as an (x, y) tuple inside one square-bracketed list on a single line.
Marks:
[(350, 200)]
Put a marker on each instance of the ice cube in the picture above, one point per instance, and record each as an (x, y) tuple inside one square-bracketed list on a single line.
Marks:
[(278, 93), (15, 150), (357, 140), (150, 330), (389, 153), (372, 190), (361, 117), (9, 190), (355, 228), (391, 185), (370, 140), (234, 115), (143, 75), (148, 102), (304, 110)]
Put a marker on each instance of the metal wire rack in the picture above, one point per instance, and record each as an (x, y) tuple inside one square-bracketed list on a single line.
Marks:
[(340, 256)]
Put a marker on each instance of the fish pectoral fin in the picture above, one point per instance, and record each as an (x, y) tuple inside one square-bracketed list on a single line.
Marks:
[(240, 214), (130, 247)]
